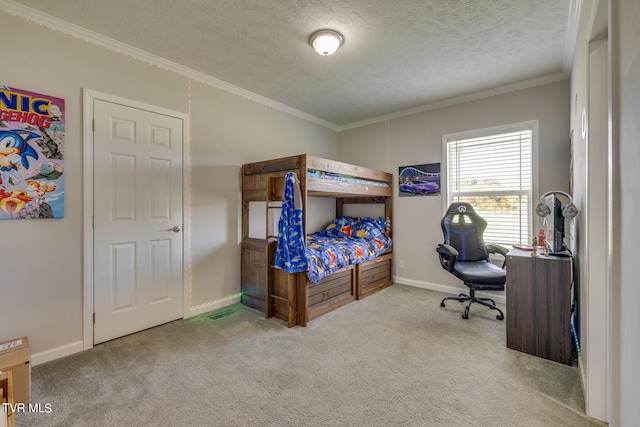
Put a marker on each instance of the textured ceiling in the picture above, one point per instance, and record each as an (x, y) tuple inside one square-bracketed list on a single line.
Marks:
[(397, 55)]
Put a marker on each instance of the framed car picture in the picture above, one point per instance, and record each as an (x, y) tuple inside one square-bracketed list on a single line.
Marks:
[(419, 180)]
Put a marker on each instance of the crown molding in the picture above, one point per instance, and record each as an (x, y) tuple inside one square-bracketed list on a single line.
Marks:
[(81, 33), (571, 36), (500, 90)]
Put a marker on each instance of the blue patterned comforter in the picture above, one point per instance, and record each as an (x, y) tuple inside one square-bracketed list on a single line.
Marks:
[(345, 241)]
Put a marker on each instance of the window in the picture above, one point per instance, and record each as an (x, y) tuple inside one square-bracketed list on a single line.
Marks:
[(493, 170)]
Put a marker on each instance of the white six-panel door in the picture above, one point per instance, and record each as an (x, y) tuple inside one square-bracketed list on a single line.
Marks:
[(138, 280)]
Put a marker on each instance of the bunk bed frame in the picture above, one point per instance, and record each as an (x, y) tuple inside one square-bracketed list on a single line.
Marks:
[(290, 296)]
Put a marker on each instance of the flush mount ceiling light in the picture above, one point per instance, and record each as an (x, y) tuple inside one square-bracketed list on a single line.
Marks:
[(326, 42)]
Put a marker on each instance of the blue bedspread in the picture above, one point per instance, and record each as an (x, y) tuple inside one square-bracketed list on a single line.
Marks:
[(344, 241)]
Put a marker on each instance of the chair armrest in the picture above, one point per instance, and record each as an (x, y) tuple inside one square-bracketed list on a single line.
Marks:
[(448, 256), (497, 249)]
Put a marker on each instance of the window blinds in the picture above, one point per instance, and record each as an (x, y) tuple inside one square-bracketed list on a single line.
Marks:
[(494, 174)]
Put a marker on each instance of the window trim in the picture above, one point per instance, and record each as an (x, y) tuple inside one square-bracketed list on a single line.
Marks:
[(478, 133)]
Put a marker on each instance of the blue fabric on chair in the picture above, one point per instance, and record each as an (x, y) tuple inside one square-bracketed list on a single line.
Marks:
[(291, 250)]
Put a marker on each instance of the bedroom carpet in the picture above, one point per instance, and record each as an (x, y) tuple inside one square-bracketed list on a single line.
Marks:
[(393, 359)]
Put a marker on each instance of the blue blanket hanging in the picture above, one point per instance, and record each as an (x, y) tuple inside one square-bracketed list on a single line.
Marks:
[(291, 251)]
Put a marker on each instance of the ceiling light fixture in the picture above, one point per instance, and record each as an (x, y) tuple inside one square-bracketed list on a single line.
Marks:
[(326, 42)]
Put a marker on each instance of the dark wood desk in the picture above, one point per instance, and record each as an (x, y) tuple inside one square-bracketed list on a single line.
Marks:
[(539, 305)]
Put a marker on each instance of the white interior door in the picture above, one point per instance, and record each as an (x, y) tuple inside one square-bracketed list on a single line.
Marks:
[(138, 280)]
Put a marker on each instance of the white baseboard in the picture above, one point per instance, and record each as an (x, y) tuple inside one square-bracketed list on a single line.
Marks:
[(69, 349), (56, 353), (498, 297), (214, 305), (583, 379)]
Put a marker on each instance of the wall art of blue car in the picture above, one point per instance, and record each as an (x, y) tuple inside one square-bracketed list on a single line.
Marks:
[(419, 187)]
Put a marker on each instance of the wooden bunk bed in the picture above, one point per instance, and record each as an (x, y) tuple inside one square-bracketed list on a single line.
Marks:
[(291, 296)]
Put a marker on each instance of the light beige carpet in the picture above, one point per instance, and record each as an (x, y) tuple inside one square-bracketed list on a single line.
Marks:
[(393, 359)]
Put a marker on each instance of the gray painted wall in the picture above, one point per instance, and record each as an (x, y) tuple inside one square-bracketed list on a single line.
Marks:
[(417, 139), (42, 260), (590, 222)]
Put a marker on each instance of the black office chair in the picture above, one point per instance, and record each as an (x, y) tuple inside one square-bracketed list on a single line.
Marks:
[(465, 255)]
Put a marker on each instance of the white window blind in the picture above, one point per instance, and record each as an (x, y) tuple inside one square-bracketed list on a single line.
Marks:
[(494, 174)]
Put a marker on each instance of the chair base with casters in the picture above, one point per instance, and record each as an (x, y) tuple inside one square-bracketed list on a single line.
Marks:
[(487, 302)]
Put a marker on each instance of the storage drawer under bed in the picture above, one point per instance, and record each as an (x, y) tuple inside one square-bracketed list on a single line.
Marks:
[(332, 292), (374, 275)]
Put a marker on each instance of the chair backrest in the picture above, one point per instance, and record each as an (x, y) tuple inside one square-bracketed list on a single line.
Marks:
[(463, 229)]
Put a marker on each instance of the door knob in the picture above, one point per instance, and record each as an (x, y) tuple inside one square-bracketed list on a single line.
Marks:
[(175, 229)]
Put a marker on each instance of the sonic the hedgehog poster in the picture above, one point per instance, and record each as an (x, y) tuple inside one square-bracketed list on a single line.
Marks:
[(31, 155)]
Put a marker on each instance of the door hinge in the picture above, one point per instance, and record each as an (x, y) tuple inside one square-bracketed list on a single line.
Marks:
[(94, 318), (93, 221), (93, 125)]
